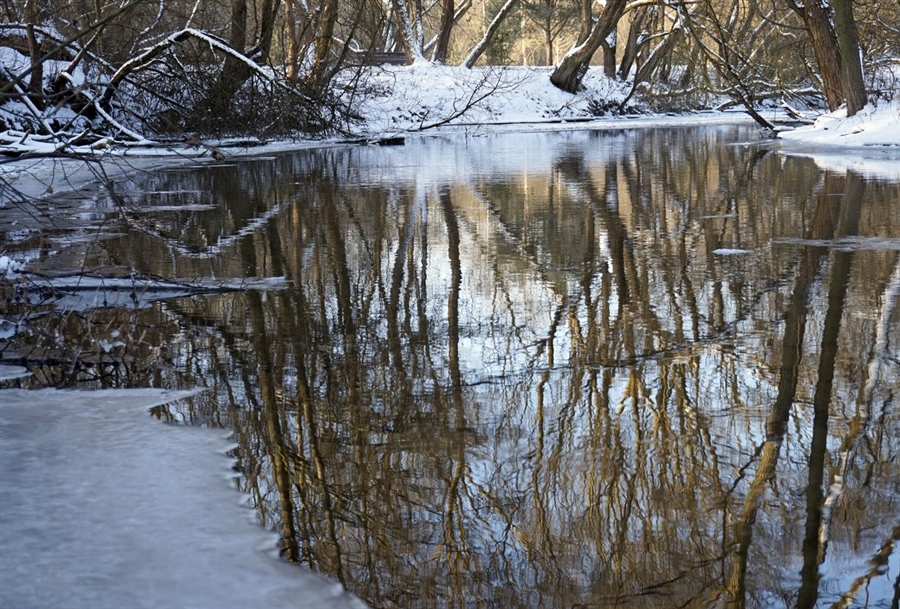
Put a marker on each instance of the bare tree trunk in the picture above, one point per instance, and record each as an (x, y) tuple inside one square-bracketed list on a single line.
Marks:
[(609, 54), (267, 22), (548, 41), (31, 14), (36, 82), (479, 48), (640, 18), (571, 70), (658, 54), (442, 47), (587, 16), (234, 71), (411, 42), (324, 36), (293, 42), (851, 63), (825, 47)]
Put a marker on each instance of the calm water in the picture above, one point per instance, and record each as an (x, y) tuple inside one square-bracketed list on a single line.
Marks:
[(655, 368)]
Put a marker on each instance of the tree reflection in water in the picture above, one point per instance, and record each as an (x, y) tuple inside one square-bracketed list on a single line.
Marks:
[(530, 370)]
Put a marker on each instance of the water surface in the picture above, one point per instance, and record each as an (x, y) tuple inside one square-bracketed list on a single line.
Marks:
[(641, 368)]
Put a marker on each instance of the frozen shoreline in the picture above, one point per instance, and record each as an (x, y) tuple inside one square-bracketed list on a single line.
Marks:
[(422, 100), (104, 507)]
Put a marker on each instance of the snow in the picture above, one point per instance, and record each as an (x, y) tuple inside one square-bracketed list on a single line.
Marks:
[(413, 98), (868, 143), (9, 267), (725, 251), (101, 506), (7, 372), (873, 126)]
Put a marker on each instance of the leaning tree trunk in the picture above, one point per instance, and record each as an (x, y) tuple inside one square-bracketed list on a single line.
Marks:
[(571, 70), (825, 47), (587, 21), (851, 65), (235, 70), (479, 48), (640, 18)]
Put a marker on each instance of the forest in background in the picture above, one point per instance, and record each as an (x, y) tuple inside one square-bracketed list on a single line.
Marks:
[(83, 71)]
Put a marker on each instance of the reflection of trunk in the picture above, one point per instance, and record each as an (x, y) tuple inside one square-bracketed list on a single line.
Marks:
[(813, 555), (268, 378), (776, 425), (453, 510), (338, 251), (792, 346), (606, 207), (393, 305), (813, 552), (455, 284), (271, 413), (333, 239), (308, 416)]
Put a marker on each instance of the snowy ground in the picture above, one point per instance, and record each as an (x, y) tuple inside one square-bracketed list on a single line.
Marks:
[(875, 126), (868, 143)]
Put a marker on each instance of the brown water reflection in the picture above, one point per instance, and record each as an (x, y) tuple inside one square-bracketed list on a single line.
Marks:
[(640, 368)]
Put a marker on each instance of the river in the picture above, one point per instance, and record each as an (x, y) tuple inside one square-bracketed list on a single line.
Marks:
[(644, 368)]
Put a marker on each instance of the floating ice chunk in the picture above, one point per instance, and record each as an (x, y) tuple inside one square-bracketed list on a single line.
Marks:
[(9, 267), (8, 373)]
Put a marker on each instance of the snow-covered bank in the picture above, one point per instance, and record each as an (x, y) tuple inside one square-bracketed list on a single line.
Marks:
[(868, 143), (397, 99), (102, 506), (875, 126), (392, 101)]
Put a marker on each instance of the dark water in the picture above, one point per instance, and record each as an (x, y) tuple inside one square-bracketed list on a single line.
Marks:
[(653, 368)]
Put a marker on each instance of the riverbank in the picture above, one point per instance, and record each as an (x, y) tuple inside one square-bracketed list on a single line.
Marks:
[(395, 102)]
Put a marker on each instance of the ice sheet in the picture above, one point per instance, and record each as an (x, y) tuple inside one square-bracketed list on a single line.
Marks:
[(101, 506)]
